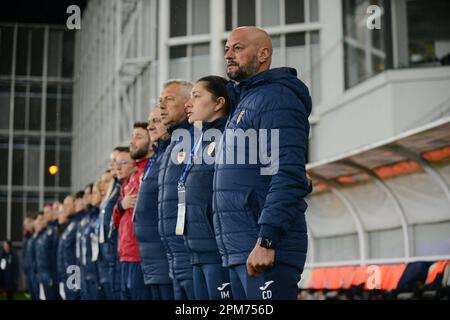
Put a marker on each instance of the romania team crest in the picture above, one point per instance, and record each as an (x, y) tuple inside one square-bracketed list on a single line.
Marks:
[(239, 118)]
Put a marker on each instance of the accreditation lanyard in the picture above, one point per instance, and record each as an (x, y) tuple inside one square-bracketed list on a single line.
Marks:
[(149, 166), (181, 216), (147, 169)]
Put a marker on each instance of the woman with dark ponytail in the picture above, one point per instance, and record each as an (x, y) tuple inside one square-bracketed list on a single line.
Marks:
[(210, 105)]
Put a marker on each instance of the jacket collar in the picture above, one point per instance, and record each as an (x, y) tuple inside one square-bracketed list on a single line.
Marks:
[(217, 124), (140, 164), (182, 125), (262, 77), (161, 145)]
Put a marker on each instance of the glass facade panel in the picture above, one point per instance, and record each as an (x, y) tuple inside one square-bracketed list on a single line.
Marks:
[(6, 49), (37, 49), (200, 16), (178, 62), (294, 11), (200, 61), (27, 100), (364, 48), (246, 13), (270, 12), (178, 18), (5, 101)]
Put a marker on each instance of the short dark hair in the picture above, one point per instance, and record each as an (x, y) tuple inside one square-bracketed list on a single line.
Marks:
[(140, 124), (217, 86), (79, 194), (122, 148)]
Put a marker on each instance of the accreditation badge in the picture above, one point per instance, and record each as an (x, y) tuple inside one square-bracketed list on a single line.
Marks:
[(181, 156), (181, 216), (211, 148), (41, 292)]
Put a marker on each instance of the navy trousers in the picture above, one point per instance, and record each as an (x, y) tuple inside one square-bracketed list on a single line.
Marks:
[(211, 282), (277, 283), (183, 290), (133, 286), (32, 286), (115, 276), (161, 291), (49, 286), (107, 291), (92, 291)]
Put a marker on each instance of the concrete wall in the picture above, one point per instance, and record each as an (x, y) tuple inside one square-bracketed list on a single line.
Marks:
[(381, 107)]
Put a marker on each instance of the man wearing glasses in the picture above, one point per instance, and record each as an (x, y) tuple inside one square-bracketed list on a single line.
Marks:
[(130, 166)]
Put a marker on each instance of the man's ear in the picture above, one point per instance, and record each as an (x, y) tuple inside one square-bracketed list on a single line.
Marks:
[(263, 54)]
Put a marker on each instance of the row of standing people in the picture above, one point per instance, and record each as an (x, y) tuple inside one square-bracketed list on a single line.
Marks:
[(69, 250), (189, 229)]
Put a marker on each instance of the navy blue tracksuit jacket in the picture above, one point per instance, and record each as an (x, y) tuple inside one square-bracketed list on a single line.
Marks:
[(169, 173), (29, 264), (152, 251), (248, 204), (45, 255), (199, 231)]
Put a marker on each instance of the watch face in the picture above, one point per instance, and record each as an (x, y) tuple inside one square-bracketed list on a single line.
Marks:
[(266, 243)]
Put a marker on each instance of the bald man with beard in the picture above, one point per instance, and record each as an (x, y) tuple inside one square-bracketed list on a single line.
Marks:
[(259, 209)]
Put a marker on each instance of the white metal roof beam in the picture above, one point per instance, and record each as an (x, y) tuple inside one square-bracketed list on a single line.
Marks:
[(391, 195), (353, 212), (434, 175)]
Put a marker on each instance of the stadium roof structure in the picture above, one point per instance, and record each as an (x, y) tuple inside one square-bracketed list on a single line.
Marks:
[(388, 202)]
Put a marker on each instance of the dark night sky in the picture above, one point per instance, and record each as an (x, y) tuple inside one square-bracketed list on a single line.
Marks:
[(37, 11)]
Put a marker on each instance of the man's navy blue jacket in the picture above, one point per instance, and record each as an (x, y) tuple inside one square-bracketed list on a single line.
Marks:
[(152, 251), (107, 245), (67, 243), (27, 255), (33, 256), (199, 231), (86, 228), (248, 204), (46, 249), (169, 173), (61, 270)]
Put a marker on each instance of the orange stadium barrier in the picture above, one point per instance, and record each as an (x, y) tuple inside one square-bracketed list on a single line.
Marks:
[(390, 275), (334, 278), (344, 277), (360, 276), (436, 269)]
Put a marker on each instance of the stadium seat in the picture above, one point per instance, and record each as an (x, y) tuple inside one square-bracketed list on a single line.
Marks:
[(415, 272)]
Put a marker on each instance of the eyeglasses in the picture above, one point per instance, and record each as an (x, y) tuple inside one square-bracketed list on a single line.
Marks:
[(122, 162)]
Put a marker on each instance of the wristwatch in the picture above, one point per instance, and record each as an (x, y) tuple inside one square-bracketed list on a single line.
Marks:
[(266, 243)]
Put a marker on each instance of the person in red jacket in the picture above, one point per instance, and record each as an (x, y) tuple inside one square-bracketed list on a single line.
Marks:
[(131, 167)]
